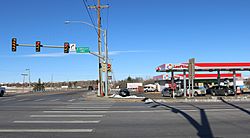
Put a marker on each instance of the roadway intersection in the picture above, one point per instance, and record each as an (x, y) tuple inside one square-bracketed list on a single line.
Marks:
[(71, 114)]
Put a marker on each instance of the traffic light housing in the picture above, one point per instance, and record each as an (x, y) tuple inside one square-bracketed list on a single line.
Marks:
[(109, 68), (66, 47), (14, 44), (38, 46)]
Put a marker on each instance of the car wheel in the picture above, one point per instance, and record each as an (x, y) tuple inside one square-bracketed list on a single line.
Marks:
[(2, 93)]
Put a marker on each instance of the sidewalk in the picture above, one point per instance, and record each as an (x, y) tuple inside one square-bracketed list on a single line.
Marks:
[(156, 96)]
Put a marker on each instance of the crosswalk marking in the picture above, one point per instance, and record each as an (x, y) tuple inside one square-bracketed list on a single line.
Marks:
[(77, 116), (5, 100), (65, 111), (145, 111), (48, 130), (21, 100), (99, 104), (81, 107), (54, 100), (71, 100), (37, 100), (59, 122)]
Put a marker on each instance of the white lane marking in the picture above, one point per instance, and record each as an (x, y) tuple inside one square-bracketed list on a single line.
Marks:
[(81, 107), (37, 100), (22, 100), (58, 122), (148, 111), (54, 100), (5, 100), (104, 111), (71, 100), (101, 104), (48, 130), (79, 116)]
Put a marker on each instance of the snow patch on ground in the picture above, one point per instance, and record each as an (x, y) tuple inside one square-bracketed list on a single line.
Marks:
[(127, 97), (149, 101)]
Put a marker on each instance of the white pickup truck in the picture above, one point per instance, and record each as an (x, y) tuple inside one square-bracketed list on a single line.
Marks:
[(2, 91)]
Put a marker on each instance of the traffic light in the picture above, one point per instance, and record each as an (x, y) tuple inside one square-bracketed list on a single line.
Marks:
[(38, 46), (66, 47), (109, 68), (14, 44)]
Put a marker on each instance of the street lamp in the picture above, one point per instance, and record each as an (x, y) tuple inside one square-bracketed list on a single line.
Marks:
[(99, 56), (29, 76), (24, 74)]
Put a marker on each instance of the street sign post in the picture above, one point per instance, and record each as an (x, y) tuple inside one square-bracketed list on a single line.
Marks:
[(72, 47), (82, 50)]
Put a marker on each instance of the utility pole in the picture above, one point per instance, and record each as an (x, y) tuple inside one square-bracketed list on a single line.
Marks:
[(98, 8)]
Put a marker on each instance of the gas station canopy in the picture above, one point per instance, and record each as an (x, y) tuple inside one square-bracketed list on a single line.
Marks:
[(233, 66)]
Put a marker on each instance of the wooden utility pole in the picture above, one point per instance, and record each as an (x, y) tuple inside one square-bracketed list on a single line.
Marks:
[(98, 8)]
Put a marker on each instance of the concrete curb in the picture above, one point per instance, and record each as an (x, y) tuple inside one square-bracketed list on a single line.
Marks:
[(92, 95), (214, 99)]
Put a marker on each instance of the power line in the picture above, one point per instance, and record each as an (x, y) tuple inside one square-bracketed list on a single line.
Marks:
[(89, 15)]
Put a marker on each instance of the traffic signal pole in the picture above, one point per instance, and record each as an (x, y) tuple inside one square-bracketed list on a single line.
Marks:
[(106, 61)]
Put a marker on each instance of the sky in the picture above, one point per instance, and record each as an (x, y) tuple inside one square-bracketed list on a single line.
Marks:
[(142, 34)]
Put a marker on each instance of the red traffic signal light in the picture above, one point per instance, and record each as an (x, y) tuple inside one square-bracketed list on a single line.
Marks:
[(109, 68), (14, 44), (66, 47), (38, 46)]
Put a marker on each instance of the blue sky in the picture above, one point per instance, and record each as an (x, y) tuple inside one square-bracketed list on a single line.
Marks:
[(142, 34)]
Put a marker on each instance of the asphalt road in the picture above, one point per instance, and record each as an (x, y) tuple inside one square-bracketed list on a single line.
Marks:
[(71, 115)]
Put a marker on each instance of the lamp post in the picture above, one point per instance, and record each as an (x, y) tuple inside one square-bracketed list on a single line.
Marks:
[(24, 74), (99, 56), (29, 76)]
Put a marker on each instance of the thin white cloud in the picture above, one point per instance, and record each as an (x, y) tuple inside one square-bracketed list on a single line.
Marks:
[(51, 55), (128, 51), (54, 55), (47, 55)]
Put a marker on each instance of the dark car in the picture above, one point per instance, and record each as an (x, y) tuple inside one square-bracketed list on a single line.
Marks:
[(169, 92), (124, 92), (221, 90), (2, 91)]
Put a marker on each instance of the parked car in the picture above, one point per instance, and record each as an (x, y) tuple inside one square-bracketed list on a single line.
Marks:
[(2, 91), (169, 92), (199, 91), (124, 92), (149, 89), (221, 90)]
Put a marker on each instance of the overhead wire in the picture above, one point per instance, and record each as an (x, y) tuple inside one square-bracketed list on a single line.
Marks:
[(85, 4)]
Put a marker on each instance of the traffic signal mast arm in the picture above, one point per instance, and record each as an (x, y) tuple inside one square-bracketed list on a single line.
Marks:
[(46, 46), (38, 45), (95, 54)]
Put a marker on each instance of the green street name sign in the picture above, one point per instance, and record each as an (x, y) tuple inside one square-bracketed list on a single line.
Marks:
[(82, 50)]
